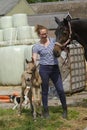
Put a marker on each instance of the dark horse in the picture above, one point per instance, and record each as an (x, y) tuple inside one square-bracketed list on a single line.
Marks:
[(72, 29)]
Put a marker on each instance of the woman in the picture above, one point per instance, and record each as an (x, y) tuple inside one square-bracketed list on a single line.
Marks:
[(48, 69)]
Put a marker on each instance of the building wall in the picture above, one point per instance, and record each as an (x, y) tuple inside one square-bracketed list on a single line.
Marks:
[(77, 8), (22, 7)]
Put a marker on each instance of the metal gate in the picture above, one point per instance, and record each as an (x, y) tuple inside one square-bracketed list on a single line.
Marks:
[(74, 71), (77, 68)]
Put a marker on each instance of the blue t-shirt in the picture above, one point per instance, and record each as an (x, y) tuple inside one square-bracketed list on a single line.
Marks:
[(46, 53)]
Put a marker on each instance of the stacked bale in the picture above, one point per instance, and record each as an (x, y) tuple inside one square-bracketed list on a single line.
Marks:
[(16, 41), (16, 30)]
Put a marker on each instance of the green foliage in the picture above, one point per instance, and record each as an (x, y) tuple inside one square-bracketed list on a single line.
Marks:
[(9, 120)]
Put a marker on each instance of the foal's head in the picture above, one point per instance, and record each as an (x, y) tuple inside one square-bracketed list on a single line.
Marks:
[(30, 66), (29, 70), (32, 74)]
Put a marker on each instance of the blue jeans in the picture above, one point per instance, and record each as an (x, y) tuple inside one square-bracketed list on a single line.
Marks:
[(51, 72)]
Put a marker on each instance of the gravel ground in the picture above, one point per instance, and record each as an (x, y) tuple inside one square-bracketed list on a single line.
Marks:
[(53, 100)]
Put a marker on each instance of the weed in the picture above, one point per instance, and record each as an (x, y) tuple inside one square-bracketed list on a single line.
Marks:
[(9, 120)]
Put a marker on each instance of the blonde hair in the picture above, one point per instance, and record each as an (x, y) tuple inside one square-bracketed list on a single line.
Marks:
[(38, 28)]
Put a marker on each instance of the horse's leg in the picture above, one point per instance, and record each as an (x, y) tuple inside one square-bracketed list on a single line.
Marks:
[(40, 99), (34, 112), (34, 104), (30, 99), (21, 99)]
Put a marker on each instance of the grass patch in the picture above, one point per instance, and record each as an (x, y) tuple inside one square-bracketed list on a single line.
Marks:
[(9, 120)]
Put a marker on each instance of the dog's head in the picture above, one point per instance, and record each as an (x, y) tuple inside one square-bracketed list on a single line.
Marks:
[(12, 97), (15, 99)]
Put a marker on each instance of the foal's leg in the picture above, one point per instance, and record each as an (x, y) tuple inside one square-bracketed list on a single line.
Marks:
[(30, 98), (34, 104), (34, 112), (21, 99)]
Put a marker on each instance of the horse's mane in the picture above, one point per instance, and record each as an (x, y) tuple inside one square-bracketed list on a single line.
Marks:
[(75, 18), (79, 19)]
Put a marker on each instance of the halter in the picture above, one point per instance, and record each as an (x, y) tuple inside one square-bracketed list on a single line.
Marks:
[(69, 39)]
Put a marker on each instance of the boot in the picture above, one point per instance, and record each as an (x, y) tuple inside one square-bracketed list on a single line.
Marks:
[(64, 113), (64, 105), (46, 113)]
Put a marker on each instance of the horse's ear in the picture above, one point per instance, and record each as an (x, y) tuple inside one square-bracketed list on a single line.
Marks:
[(27, 61), (65, 21), (68, 17), (57, 20)]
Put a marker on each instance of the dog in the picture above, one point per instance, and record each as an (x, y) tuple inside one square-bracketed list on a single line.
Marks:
[(31, 78), (16, 100)]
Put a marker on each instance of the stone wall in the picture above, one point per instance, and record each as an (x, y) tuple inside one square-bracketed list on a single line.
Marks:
[(77, 8)]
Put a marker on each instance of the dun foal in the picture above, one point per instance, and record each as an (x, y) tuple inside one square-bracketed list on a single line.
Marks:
[(31, 87)]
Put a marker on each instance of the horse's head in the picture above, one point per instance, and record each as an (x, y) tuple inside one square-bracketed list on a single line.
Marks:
[(63, 31), (30, 68), (32, 74), (63, 35), (71, 29), (30, 65)]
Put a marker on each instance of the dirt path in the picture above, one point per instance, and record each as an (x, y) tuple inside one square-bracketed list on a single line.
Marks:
[(53, 101)]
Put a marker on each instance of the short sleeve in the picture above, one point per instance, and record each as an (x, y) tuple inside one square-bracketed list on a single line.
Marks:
[(35, 48)]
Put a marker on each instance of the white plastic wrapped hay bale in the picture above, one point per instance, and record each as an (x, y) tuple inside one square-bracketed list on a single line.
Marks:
[(6, 22), (1, 35), (12, 60), (34, 35), (28, 52), (19, 20), (24, 34), (10, 35)]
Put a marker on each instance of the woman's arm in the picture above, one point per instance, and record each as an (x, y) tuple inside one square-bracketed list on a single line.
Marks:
[(34, 57)]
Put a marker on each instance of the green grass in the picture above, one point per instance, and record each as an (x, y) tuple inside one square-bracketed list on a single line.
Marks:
[(9, 120)]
